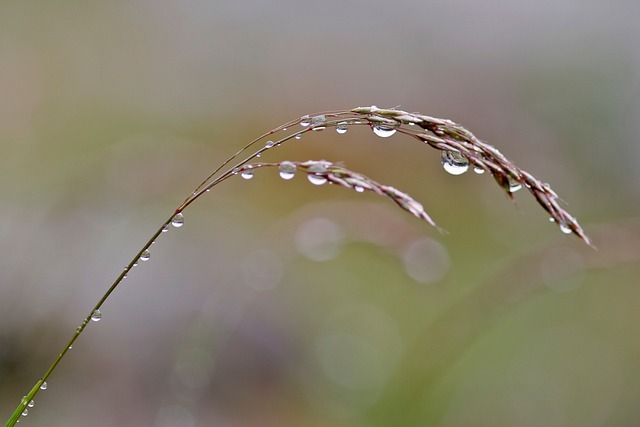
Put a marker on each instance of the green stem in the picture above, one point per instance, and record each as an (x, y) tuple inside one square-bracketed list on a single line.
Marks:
[(34, 391)]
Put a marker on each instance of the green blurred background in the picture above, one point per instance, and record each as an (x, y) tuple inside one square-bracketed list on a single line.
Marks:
[(280, 303)]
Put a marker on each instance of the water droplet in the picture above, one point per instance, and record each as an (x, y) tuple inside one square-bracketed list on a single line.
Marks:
[(43, 386), (235, 171), (25, 412), (287, 170), (269, 144), (478, 170), (384, 131), (318, 123), (514, 185), (317, 179), (165, 229), (96, 315), (552, 219), (145, 255), (298, 136), (178, 220), (358, 188), (258, 154), (565, 229), (70, 347), (305, 120), (246, 174), (342, 127), (31, 404), (454, 162)]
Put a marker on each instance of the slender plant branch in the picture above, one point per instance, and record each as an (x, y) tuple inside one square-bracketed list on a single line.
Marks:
[(460, 150)]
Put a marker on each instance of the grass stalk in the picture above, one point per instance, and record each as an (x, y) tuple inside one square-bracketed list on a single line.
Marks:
[(460, 150)]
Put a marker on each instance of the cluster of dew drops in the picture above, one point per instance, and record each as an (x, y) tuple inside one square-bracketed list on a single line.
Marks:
[(452, 162), (31, 403)]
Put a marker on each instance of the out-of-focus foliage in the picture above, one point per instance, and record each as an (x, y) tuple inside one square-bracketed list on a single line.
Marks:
[(281, 303)]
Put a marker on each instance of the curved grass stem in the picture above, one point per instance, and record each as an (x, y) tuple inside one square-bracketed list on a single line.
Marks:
[(441, 134)]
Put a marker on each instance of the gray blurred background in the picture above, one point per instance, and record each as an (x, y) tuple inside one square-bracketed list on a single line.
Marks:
[(280, 303)]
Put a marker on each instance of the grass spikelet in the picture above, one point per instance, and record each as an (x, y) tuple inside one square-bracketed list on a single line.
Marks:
[(321, 171)]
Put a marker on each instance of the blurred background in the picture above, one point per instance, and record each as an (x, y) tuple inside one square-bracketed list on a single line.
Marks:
[(281, 303)]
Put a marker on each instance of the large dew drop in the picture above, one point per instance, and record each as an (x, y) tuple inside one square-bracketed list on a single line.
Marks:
[(454, 162), (269, 144), (305, 121), (43, 386), (341, 128), (246, 174), (384, 131), (514, 185), (317, 179), (96, 315), (287, 170), (177, 220), (145, 255)]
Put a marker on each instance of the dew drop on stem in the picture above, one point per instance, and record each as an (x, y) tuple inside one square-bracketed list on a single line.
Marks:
[(478, 170), (177, 220), (25, 412), (317, 179), (305, 121), (287, 170), (384, 131), (269, 144), (96, 315), (246, 174), (565, 229), (31, 404), (514, 185), (318, 123), (145, 255), (43, 386), (341, 127), (454, 162), (298, 136)]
